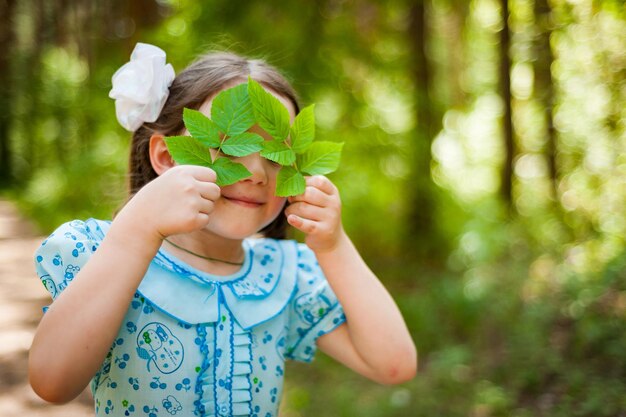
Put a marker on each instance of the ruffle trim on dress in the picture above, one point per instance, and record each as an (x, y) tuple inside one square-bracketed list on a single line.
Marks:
[(205, 384), (242, 368), (223, 385)]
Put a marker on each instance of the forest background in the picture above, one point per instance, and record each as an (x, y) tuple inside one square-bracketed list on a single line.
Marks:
[(483, 176)]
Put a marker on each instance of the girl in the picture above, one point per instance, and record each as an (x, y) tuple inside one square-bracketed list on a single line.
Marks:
[(190, 300)]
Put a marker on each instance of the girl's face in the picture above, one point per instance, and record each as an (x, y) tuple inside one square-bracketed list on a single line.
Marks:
[(249, 205)]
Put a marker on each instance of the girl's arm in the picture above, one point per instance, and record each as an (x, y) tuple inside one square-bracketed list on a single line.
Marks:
[(374, 341), (76, 333)]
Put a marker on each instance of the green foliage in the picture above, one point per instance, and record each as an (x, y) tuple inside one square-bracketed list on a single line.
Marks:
[(316, 157), (233, 112), (321, 158), (202, 128), (292, 182), (229, 172), (232, 116), (525, 316), (188, 150), (270, 114), (279, 152), (303, 129), (243, 144)]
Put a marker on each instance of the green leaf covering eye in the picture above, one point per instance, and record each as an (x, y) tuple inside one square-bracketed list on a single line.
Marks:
[(243, 144), (270, 114), (201, 128), (229, 172), (186, 150), (232, 112), (289, 182), (278, 152)]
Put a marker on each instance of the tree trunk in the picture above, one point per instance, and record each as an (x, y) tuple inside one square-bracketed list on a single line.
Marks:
[(455, 29), (43, 23), (7, 9), (544, 92), (423, 237), (507, 123)]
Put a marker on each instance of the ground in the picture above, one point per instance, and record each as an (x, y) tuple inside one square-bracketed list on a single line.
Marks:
[(21, 298)]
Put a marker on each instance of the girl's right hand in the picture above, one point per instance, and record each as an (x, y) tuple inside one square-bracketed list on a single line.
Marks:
[(180, 200)]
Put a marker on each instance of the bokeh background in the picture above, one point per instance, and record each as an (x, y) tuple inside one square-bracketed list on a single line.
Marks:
[(483, 176)]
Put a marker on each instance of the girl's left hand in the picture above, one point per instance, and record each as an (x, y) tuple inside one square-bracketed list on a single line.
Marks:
[(317, 213)]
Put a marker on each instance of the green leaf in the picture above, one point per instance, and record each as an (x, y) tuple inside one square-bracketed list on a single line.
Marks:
[(232, 111), (321, 158), (278, 152), (270, 113), (186, 150), (201, 128), (289, 182), (303, 129), (229, 172), (243, 144)]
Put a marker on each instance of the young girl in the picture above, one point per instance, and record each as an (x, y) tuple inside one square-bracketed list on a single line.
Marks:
[(190, 300)]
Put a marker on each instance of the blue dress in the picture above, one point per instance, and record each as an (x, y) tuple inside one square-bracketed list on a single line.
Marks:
[(193, 343)]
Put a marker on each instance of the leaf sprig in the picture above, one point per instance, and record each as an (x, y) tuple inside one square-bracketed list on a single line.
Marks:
[(233, 112)]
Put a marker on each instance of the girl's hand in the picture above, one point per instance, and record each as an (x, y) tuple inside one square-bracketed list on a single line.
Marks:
[(180, 200), (317, 213)]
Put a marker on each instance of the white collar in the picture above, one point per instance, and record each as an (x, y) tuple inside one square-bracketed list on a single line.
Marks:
[(259, 291)]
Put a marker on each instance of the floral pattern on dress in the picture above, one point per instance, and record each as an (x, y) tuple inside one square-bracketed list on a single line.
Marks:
[(195, 344)]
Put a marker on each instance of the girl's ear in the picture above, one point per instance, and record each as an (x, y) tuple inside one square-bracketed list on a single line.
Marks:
[(160, 157)]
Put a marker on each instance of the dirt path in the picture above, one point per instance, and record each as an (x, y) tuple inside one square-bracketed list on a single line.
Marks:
[(21, 298)]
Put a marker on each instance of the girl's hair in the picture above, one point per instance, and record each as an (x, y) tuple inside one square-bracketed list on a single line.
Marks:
[(201, 80)]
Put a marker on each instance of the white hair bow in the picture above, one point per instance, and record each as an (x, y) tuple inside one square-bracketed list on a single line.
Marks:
[(141, 86)]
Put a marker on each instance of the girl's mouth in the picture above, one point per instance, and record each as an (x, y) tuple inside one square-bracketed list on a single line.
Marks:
[(244, 203)]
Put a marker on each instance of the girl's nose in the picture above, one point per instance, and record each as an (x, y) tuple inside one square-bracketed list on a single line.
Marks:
[(255, 163)]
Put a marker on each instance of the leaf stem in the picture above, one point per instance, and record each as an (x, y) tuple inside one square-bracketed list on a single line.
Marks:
[(295, 163), (219, 148)]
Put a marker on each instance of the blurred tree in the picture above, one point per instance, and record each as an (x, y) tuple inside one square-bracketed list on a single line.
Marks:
[(455, 46), (7, 38), (424, 241), (506, 187), (544, 91)]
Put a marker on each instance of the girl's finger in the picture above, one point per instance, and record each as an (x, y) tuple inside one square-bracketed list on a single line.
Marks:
[(202, 219), (209, 190), (306, 211), (313, 196), (205, 206), (305, 225), (322, 183), (202, 173)]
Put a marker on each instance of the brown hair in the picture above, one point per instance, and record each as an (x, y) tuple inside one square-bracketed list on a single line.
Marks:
[(201, 80)]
